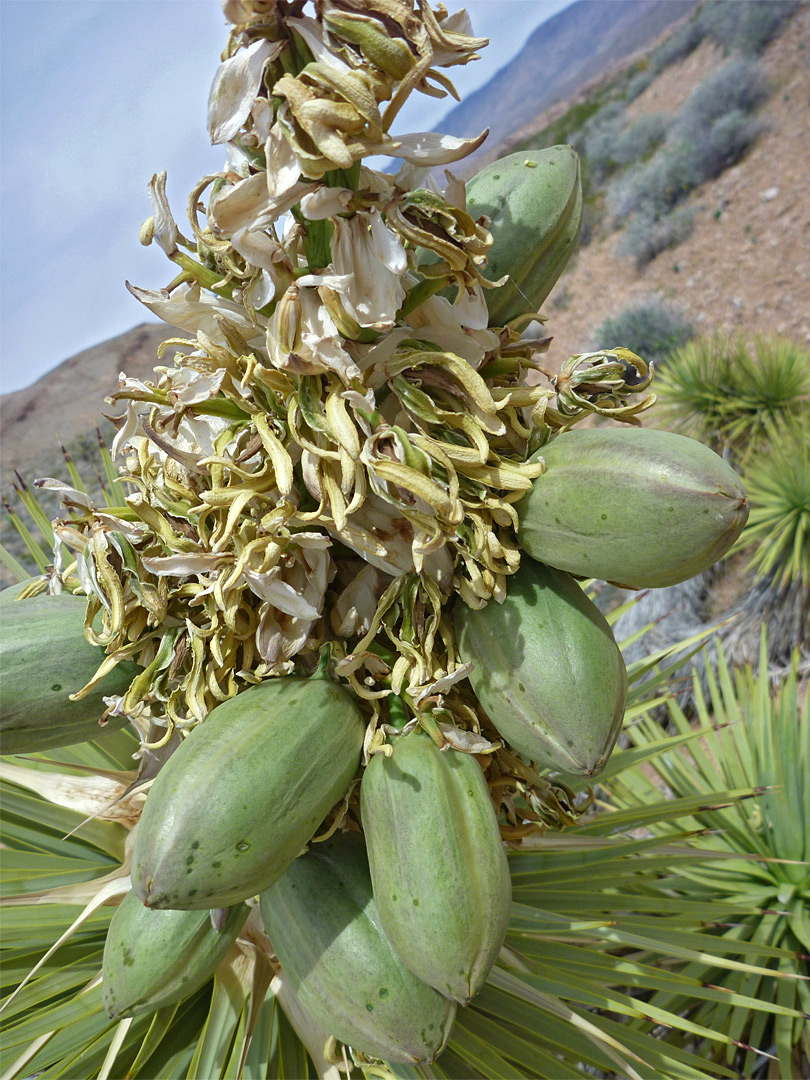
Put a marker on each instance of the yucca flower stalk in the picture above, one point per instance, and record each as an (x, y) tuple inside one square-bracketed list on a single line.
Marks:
[(317, 485)]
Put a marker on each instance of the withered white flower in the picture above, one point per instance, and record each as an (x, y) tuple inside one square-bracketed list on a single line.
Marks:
[(201, 562), (191, 309), (235, 87), (428, 147), (260, 249), (165, 228), (285, 620), (449, 327), (373, 260), (325, 202), (355, 606), (312, 33), (303, 338)]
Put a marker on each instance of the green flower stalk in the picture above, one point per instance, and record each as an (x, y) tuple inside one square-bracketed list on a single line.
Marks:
[(325, 478)]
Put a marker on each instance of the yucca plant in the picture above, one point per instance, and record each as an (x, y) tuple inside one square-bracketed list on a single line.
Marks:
[(730, 393), (778, 485), (566, 992), (344, 530), (572, 986), (752, 734)]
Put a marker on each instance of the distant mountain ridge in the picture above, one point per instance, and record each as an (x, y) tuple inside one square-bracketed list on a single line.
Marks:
[(570, 49)]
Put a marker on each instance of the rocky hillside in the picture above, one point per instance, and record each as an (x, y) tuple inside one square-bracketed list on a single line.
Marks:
[(573, 48), (745, 268), (63, 405)]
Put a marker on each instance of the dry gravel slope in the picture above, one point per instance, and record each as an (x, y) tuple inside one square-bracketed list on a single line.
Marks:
[(746, 270)]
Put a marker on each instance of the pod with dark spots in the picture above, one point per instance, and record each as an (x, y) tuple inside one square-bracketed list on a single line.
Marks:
[(548, 671), (441, 879), (634, 506), (45, 657), (325, 929), (156, 958), (247, 789), (534, 202)]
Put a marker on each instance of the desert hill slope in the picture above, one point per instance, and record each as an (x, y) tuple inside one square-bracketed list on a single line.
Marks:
[(745, 268), (574, 47)]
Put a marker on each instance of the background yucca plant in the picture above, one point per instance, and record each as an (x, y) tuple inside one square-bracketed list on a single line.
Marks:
[(778, 485), (757, 735), (729, 394), (583, 981)]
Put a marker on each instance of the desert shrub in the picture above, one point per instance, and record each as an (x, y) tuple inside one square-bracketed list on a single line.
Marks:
[(636, 141), (638, 83), (653, 188), (677, 46), (745, 27), (738, 85), (710, 133), (600, 138), (722, 145), (647, 236), (651, 328)]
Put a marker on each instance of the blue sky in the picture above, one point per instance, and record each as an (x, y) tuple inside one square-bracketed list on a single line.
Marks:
[(95, 97)]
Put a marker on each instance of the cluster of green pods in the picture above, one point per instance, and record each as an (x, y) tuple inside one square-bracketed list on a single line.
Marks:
[(383, 933)]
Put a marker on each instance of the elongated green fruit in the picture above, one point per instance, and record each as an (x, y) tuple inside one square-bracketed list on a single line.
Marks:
[(44, 657), (440, 875), (323, 924), (10, 594), (534, 202), (634, 506), (155, 958), (247, 789), (547, 670)]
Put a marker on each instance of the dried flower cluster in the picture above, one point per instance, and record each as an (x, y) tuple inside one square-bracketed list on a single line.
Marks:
[(338, 448)]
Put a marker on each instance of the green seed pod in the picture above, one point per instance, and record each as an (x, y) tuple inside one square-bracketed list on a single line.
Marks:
[(547, 671), (635, 506), (441, 879), (534, 202), (44, 657), (246, 790), (155, 958), (10, 594), (323, 923)]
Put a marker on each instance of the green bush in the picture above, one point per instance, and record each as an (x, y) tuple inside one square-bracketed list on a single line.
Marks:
[(638, 83), (652, 329), (677, 46), (711, 132), (598, 141), (636, 142)]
